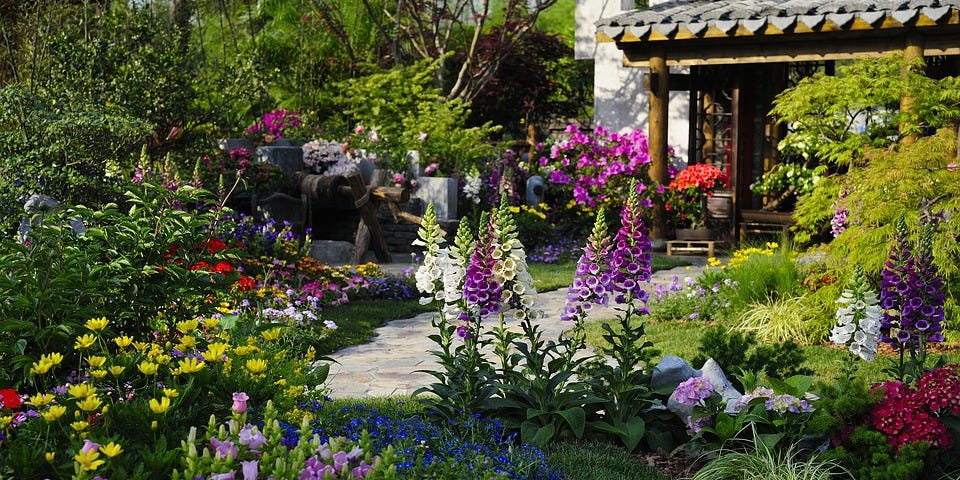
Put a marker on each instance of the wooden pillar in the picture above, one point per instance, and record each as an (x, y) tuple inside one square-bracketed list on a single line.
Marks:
[(659, 114), (913, 58)]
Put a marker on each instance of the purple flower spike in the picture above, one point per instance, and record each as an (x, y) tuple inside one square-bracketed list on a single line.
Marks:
[(481, 291)]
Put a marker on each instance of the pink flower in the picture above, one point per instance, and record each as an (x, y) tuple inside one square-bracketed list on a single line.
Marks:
[(359, 129), (89, 446), (239, 402), (953, 166), (398, 178), (250, 469), (694, 389), (422, 137)]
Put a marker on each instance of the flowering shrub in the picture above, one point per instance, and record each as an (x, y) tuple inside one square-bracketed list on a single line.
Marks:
[(275, 124), (600, 166), (688, 192), (327, 157), (787, 176), (778, 414), (688, 299)]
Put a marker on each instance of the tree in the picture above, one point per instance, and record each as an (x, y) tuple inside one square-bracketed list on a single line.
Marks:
[(431, 29)]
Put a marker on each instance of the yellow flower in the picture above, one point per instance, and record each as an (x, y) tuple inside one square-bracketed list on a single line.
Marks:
[(281, 382), (6, 420), (97, 324), (124, 341), (116, 370), (171, 392), (89, 460), (41, 367), (153, 425), (79, 425), (50, 456), (54, 413), (85, 341), (211, 323), (163, 359), (141, 346), (243, 350), (187, 326), (40, 400), (160, 407), (256, 365), (190, 365), (147, 367), (89, 404), (54, 358), (272, 334), (215, 351), (98, 373), (82, 390), (188, 342), (111, 449), (96, 361)]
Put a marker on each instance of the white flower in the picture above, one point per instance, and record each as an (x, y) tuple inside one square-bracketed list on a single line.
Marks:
[(858, 318)]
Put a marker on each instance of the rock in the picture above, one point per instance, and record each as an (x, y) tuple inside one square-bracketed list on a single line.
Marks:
[(536, 189), (671, 371), (332, 252)]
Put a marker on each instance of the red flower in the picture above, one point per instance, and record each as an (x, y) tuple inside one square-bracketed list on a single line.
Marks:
[(214, 245), (9, 398), (244, 284), (223, 267), (201, 265), (907, 416)]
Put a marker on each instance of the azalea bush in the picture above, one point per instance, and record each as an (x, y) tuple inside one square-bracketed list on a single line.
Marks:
[(599, 167)]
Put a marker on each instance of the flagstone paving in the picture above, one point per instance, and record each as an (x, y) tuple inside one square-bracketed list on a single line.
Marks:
[(389, 364)]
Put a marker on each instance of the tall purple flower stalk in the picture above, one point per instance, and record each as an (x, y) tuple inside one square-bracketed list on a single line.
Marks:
[(592, 283), (911, 292), (612, 268), (630, 259), (480, 290)]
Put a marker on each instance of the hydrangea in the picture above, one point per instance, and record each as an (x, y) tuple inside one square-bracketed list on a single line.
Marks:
[(787, 403), (909, 415), (858, 317), (327, 158), (693, 391)]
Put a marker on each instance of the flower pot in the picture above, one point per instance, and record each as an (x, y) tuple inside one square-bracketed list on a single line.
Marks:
[(694, 234)]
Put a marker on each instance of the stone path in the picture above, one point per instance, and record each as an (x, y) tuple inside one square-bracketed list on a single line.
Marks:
[(388, 364)]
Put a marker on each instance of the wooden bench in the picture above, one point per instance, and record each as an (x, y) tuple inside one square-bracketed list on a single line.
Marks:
[(758, 222), (693, 246)]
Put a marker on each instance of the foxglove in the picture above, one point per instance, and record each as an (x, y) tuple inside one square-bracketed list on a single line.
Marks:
[(858, 318), (592, 282)]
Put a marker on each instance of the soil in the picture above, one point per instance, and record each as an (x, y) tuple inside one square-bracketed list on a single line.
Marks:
[(673, 467)]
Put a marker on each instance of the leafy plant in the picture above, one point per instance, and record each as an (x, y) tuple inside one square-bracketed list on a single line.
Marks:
[(777, 320), (739, 352), (763, 461)]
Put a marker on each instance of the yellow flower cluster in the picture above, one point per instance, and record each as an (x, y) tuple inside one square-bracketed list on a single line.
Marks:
[(538, 211)]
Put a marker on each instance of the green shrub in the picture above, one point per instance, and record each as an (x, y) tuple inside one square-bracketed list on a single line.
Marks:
[(738, 352), (778, 320)]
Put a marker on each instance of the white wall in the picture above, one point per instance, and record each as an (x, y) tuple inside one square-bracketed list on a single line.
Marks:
[(619, 99)]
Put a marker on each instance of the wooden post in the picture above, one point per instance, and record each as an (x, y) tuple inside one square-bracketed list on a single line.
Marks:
[(913, 57), (658, 120), (368, 215)]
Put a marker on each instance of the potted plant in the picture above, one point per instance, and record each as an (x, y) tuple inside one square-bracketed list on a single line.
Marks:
[(686, 199)]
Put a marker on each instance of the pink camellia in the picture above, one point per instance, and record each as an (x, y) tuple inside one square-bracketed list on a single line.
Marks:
[(239, 402)]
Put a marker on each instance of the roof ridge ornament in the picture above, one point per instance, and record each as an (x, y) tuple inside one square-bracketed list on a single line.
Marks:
[(937, 14), (754, 24), (905, 17), (784, 24), (874, 19)]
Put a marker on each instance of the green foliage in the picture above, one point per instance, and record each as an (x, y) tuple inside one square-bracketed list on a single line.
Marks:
[(766, 462), (598, 460), (400, 104), (868, 455), (72, 151), (778, 320), (739, 352)]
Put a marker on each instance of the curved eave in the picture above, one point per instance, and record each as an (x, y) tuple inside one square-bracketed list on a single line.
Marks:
[(798, 38)]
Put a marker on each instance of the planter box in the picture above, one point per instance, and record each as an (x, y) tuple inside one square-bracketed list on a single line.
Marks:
[(441, 192)]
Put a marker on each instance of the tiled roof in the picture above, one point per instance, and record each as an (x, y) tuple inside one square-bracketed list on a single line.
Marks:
[(704, 18)]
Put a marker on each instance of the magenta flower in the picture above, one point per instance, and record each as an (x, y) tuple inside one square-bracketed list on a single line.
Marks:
[(630, 258), (481, 292), (239, 402), (251, 437)]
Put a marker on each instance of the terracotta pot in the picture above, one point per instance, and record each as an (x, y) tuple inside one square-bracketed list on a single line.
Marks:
[(694, 234)]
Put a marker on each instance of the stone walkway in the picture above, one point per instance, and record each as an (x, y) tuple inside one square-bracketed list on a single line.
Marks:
[(388, 364)]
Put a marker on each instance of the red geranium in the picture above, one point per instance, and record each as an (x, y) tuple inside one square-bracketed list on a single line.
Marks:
[(9, 399), (688, 191)]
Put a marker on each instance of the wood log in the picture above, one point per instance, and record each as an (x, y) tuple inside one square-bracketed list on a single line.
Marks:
[(368, 212)]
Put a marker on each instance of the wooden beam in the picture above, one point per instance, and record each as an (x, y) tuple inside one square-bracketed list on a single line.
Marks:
[(677, 82), (658, 119), (788, 48)]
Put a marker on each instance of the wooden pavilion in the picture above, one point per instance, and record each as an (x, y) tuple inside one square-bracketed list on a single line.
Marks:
[(740, 54)]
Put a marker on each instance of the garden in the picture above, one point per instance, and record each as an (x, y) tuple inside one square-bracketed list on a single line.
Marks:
[(156, 324)]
